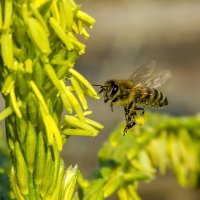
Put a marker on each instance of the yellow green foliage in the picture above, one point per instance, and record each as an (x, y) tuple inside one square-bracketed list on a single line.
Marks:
[(163, 142)]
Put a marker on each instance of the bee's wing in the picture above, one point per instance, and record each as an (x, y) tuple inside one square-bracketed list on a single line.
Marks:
[(143, 73), (146, 76), (157, 79)]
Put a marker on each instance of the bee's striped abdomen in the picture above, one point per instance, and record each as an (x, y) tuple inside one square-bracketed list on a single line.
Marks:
[(152, 97), (158, 99)]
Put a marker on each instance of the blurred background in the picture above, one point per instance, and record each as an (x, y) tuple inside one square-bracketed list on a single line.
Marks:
[(127, 34)]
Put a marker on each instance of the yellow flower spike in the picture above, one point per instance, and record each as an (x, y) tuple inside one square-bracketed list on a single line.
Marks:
[(151, 149), (7, 49), (21, 166), (66, 103), (51, 129), (65, 99), (48, 174), (14, 184), (59, 85), (39, 96), (75, 28), (40, 18), (88, 93), (20, 129), (73, 101), (39, 35), (48, 125), (112, 185), (76, 42), (84, 81), (173, 150), (19, 66), (56, 192), (5, 113), (122, 194), (55, 12), (32, 108), (8, 84), (1, 16), (85, 18), (69, 183), (55, 174), (28, 66), (88, 112), (71, 131), (52, 75), (79, 92), (82, 30), (57, 135), (83, 183), (60, 55), (67, 8), (80, 26), (63, 20), (25, 13), (77, 123), (47, 119), (61, 33), (11, 143), (40, 160), (30, 146), (14, 103), (145, 163), (132, 192), (85, 33), (160, 147), (8, 14), (187, 149), (94, 123), (39, 3)]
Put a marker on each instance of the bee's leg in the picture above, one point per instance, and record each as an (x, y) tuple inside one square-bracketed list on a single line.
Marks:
[(128, 108), (129, 118), (140, 109), (113, 101), (129, 124), (126, 111)]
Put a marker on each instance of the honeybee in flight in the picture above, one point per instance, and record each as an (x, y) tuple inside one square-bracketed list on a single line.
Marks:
[(138, 91)]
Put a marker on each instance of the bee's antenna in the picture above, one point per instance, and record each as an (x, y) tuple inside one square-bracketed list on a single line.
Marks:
[(98, 85), (102, 88)]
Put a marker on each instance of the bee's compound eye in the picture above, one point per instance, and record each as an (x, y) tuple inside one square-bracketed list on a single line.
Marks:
[(114, 90)]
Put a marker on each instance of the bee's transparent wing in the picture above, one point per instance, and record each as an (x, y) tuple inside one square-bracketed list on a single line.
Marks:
[(143, 73), (158, 78), (147, 76)]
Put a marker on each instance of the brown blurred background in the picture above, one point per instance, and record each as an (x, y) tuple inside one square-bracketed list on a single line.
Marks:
[(126, 35)]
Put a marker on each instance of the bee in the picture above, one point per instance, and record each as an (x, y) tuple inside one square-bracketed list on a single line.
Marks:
[(139, 91)]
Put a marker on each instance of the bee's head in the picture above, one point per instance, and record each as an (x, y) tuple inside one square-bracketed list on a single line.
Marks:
[(109, 89)]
